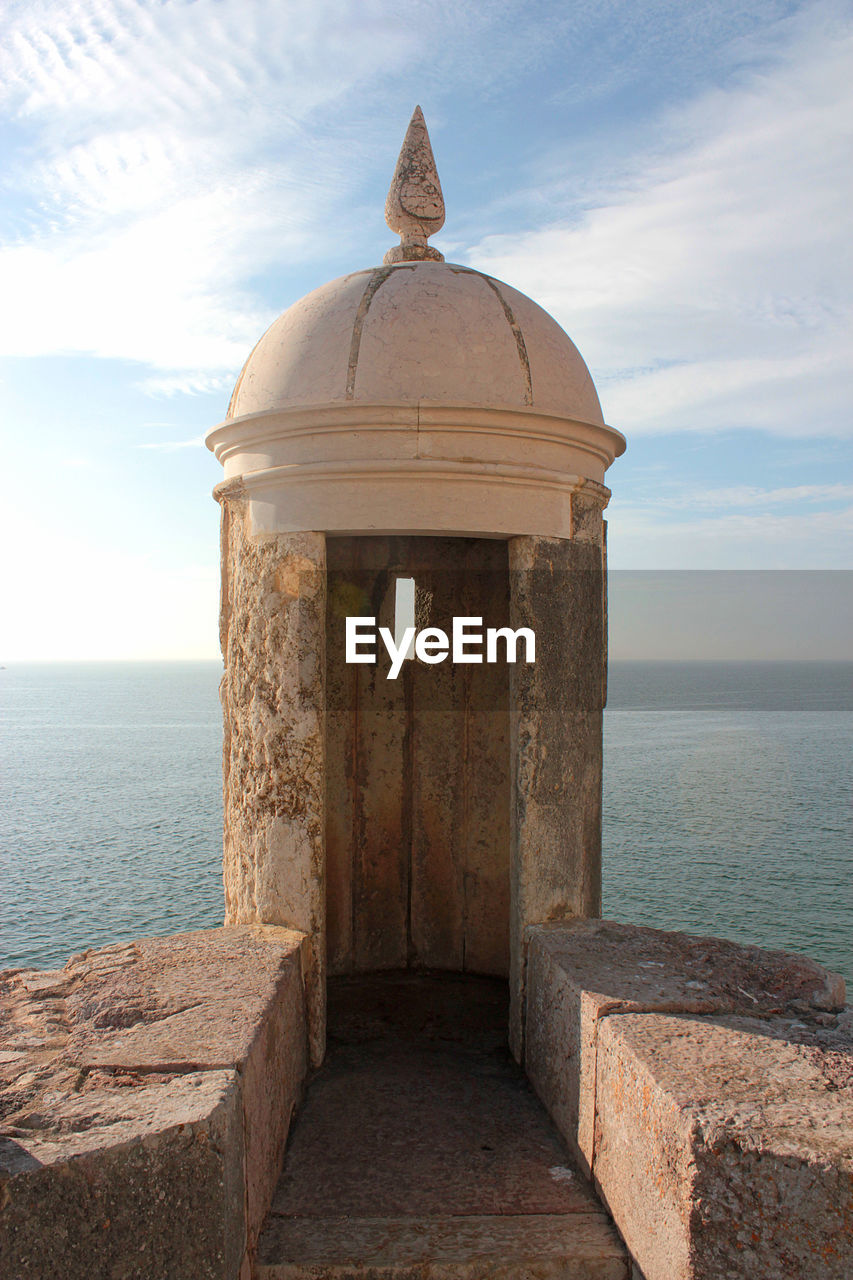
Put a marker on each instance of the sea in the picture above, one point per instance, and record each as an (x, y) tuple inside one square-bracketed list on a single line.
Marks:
[(728, 803)]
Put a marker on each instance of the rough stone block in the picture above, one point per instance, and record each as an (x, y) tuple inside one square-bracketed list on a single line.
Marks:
[(462, 1247), (273, 636), (708, 1087), (130, 1178), (723, 1147), (97, 1053), (581, 971)]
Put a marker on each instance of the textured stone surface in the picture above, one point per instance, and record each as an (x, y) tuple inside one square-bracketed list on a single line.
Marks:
[(414, 207), (272, 632), (421, 1149), (420, 398), (343, 345), (443, 1248), (189, 1001), (161, 1075), (130, 1177), (557, 588), (420, 1109), (581, 972), (708, 1088), (725, 1147)]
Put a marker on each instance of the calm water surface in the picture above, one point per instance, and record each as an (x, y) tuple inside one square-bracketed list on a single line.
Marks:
[(111, 820), (728, 804)]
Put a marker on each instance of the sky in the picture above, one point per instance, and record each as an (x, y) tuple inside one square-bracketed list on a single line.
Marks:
[(671, 179)]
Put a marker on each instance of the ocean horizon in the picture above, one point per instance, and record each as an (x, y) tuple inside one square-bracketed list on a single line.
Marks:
[(727, 803)]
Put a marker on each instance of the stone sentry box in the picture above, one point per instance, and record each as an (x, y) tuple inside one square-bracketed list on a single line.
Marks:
[(416, 420), (424, 422)]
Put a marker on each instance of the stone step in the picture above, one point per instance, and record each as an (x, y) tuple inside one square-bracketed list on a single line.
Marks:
[(422, 1153), (577, 1246)]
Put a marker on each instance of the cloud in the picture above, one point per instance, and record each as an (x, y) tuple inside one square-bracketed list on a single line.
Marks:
[(188, 382), (752, 496), (169, 158), (714, 287), (669, 524), (653, 537), (165, 158)]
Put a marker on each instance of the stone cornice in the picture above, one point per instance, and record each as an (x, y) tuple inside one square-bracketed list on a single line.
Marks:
[(420, 467), (341, 418)]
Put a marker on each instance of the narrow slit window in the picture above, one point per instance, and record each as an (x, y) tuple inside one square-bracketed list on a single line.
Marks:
[(404, 612)]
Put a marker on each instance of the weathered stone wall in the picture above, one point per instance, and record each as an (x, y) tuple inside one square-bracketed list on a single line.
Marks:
[(272, 632), (708, 1088), (448, 809), (558, 589), (418, 767), (146, 1092)]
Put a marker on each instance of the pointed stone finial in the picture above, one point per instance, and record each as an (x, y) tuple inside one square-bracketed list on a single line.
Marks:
[(415, 205)]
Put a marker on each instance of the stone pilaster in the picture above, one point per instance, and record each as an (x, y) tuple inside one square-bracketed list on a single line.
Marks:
[(272, 631), (557, 588)]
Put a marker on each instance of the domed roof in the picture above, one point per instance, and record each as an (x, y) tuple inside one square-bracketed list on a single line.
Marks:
[(417, 397), (417, 331)]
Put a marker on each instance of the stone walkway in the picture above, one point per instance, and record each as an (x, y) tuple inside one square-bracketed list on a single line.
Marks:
[(421, 1151)]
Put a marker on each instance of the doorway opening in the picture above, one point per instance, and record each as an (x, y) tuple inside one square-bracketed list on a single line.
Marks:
[(418, 782)]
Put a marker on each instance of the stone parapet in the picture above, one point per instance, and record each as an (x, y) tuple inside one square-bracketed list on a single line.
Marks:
[(146, 1092), (724, 1147), (708, 1088)]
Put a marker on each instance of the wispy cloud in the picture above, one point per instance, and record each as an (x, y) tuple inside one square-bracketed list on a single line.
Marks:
[(714, 288), (673, 497), (672, 525), (642, 537), (170, 156), (187, 382), (166, 159)]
